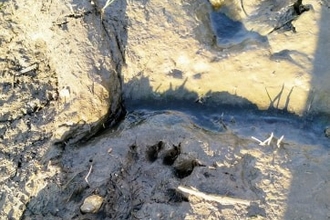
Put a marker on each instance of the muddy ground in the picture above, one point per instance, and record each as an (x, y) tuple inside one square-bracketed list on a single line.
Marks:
[(50, 68), (187, 148), (29, 93), (217, 156)]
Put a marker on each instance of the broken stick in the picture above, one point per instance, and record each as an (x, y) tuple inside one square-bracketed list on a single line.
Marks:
[(224, 200), (89, 173)]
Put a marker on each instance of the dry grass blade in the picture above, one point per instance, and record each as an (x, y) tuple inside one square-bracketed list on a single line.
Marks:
[(109, 2)]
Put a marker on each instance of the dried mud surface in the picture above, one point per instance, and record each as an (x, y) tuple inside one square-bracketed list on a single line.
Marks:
[(29, 91), (62, 66), (46, 78)]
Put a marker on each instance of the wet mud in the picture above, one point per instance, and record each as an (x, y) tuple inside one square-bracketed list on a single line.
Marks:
[(228, 19), (139, 167), (232, 34)]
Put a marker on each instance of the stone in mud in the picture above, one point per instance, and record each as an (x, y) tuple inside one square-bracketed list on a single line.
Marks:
[(91, 204), (327, 132)]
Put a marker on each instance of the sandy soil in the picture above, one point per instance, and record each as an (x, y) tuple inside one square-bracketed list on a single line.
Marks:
[(65, 66)]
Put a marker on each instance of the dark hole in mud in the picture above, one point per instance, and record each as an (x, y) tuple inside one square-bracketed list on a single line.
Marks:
[(175, 73), (197, 76), (152, 151), (207, 174), (232, 33), (132, 147), (175, 196), (171, 155), (225, 27), (186, 167)]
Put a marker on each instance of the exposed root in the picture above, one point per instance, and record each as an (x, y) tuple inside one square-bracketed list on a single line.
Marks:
[(224, 200)]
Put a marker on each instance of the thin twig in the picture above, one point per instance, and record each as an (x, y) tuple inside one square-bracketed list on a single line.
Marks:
[(279, 141), (109, 2), (89, 173), (265, 142), (256, 139), (220, 199)]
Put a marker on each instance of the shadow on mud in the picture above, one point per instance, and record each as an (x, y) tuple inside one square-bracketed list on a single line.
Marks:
[(298, 201), (222, 111)]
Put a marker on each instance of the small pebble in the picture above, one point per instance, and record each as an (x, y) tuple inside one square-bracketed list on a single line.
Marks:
[(91, 204), (327, 132)]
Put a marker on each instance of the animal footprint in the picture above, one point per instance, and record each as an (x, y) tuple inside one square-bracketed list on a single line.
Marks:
[(186, 167), (152, 151), (172, 154)]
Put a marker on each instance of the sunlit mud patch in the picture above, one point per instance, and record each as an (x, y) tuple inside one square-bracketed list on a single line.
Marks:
[(230, 33)]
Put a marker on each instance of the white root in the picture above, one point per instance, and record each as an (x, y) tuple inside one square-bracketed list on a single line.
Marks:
[(89, 173), (256, 139), (224, 200), (279, 141), (265, 142), (269, 139)]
